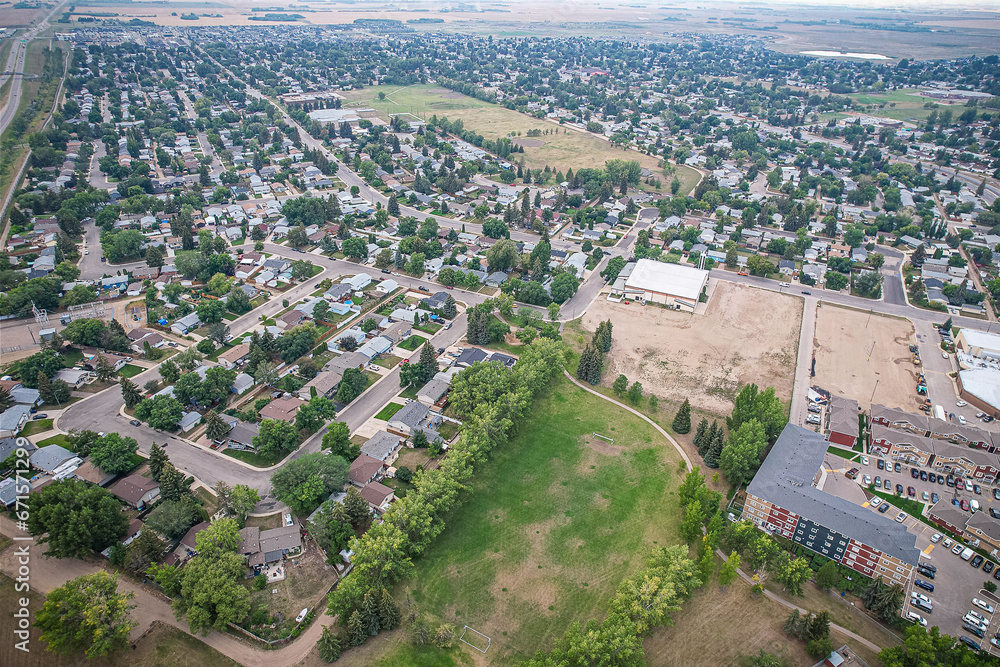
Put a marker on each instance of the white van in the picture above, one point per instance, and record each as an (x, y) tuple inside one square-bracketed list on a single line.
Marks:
[(967, 554), (974, 505)]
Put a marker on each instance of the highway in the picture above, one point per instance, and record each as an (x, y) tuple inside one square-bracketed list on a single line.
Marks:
[(15, 63)]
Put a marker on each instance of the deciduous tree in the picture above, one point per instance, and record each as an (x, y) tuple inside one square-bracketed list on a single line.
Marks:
[(86, 615)]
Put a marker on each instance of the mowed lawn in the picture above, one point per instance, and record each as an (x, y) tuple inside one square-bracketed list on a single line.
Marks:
[(552, 525), (566, 148)]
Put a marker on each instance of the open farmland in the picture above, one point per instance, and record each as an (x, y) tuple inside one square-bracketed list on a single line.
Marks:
[(566, 148), (746, 335), (849, 365), (551, 527)]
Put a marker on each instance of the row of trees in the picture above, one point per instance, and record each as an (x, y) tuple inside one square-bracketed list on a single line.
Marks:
[(592, 358), (491, 399)]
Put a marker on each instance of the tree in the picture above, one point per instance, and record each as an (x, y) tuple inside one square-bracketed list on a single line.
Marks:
[(169, 371), (356, 508), (836, 281), (369, 613), (157, 459), (564, 286), (105, 371), (764, 406), (86, 615), (211, 592), (635, 392), (792, 573), (130, 392), (114, 454), (338, 440), (356, 629), (351, 385), (219, 332), (304, 482), (160, 412), (275, 438), (553, 311), (328, 644), (827, 576), (682, 420), (173, 518), (238, 500), (714, 452), (729, 570), (450, 309), (929, 647), (144, 550), (388, 612), (173, 484), (428, 361), (215, 426), (693, 520), (741, 457), (75, 519), (700, 436), (502, 255), (331, 528), (620, 385)]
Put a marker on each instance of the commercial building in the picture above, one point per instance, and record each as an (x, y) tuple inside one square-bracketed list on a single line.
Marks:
[(979, 344), (786, 498), (673, 285), (981, 388)]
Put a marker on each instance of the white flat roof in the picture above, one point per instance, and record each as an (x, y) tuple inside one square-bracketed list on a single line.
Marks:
[(676, 280), (981, 339), (983, 383)]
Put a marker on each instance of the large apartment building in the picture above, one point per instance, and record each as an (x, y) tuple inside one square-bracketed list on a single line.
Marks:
[(786, 498)]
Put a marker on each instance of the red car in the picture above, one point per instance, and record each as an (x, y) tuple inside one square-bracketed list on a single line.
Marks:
[(965, 505), (910, 491), (959, 484)]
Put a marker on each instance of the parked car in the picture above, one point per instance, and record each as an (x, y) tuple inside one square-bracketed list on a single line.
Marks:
[(914, 617), (864, 460), (135, 422), (867, 480), (940, 478), (960, 484), (920, 583), (887, 484), (974, 629), (985, 606), (901, 517), (813, 419), (978, 490), (914, 473), (935, 538), (914, 595), (881, 464), (977, 561), (898, 468), (815, 409), (995, 513), (996, 494), (878, 483), (910, 491), (947, 543), (302, 615), (925, 496), (976, 618), (950, 481), (931, 477), (40, 415), (875, 501), (935, 498), (988, 566), (922, 606), (928, 566), (899, 489), (883, 508), (958, 549), (961, 404), (971, 643), (923, 475), (964, 504), (926, 573)]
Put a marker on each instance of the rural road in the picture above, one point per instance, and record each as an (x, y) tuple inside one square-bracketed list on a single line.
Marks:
[(15, 66)]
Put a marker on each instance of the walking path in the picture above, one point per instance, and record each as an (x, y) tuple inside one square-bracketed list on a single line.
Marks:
[(803, 365), (680, 450), (785, 603)]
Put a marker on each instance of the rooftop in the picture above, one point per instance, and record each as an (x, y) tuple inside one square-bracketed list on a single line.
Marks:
[(674, 279)]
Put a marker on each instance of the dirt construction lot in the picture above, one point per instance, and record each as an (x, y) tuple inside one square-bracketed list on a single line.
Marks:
[(746, 335), (847, 364)]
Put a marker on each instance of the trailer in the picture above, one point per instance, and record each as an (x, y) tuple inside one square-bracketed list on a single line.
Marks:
[(939, 413)]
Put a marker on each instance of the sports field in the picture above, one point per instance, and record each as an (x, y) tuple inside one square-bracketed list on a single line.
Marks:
[(905, 104), (565, 148), (553, 524)]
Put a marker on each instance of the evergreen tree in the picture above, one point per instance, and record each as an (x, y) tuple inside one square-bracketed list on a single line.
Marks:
[(388, 612), (369, 614), (585, 369), (45, 388), (450, 309), (216, 426), (393, 206), (328, 645), (708, 439), (699, 436), (620, 385), (130, 392), (356, 629), (173, 484), (157, 459), (715, 451), (428, 362), (682, 420)]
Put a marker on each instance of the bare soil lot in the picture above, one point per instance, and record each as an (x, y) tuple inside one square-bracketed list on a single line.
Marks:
[(746, 335), (854, 351)]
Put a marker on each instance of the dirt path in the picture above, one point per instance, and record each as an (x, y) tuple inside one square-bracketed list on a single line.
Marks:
[(50, 573), (680, 450), (782, 601)]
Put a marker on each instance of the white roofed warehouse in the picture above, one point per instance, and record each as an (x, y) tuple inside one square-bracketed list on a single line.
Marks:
[(673, 285)]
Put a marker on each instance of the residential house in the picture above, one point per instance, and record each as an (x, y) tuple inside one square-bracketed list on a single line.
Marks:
[(949, 517), (896, 418), (398, 331), (185, 324), (435, 301), (842, 421), (13, 419), (901, 445), (325, 383), (190, 539), (240, 435), (242, 384), (985, 528), (365, 470), (378, 496), (966, 462), (263, 547), (290, 319), (51, 458), (283, 408), (136, 490), (383, 446), (412, 417), (236, 356), (375, 347), (434, 393), (469, 356)]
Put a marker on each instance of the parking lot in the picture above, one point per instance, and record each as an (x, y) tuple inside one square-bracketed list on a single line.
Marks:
[(956, 582)]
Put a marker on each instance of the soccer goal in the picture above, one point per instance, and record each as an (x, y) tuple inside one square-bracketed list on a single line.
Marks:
[(476, 639), (604, 437)]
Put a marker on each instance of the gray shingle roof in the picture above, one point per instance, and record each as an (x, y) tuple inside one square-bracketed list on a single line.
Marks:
[(50, 457), (411, 414), (786, 479), (381, 445)]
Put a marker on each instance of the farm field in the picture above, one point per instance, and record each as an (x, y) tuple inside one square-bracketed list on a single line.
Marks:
[(847, 364), (552, 525), (566, 148), (746, 335)]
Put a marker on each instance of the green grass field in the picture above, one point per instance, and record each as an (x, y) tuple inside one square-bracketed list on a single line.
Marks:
[(898, 104), (36, 426), (388, 411), (553, 523), (412, 343), (564, 148)]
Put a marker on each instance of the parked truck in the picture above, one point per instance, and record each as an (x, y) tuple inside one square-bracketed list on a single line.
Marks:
[(939, 413)]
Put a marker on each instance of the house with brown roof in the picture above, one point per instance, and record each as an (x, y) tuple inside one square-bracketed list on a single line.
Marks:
[(365, 470), (283, 408), (190, 541), (842, 421), (902, 445), (985, 528), (896, 418), (967, 462), (290, 319), (378, 496), (234, 357), (325, 383), (136, 490)]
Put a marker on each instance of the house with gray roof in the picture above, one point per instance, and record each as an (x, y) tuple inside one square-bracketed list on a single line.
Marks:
[(434, 393), (13, 419), (185, 324), (786, 497), (413, 417), (9, 490), (383, 446), (375, 347), (50, 457), (9, 445)]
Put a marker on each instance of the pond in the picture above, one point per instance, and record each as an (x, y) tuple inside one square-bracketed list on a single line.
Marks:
[(839, 54)]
